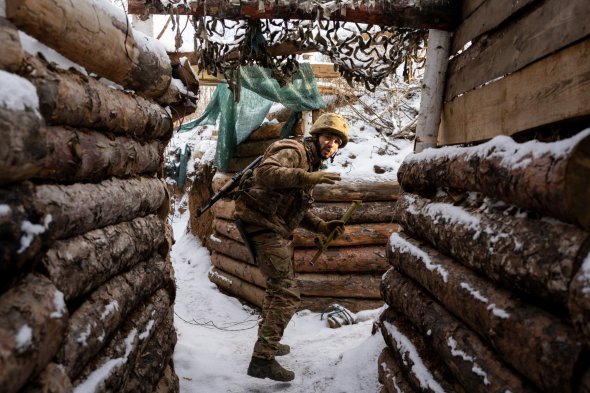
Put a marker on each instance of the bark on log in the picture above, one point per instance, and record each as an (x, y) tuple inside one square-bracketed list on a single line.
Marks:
[(548, 349), (80, 32), (361, 259), (273, 131), (79, 208), (242, 270), (230, 247), (535, 257), (342, 191), (473, 364), (368, 212), (354, 235), (200, 192), (169, 382), (319, 304), (579, 299), (154, 358), (364, 286), (23, 145), (427, 14), (33, 318), (70, 98), (51, 380), (390, 374), (123, 351), (253, 149), (76, 155), (98, 318), (553, 179), (13, 55), (236, 287), (414, 355), (80, 264)]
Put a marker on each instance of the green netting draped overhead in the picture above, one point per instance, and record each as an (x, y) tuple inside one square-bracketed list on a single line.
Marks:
[(258, 92)]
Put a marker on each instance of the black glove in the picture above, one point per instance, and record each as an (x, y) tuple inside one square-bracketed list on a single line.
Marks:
[(326, 228)]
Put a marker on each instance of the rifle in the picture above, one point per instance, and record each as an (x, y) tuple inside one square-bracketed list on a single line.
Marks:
[(229, 186), (324, 246)]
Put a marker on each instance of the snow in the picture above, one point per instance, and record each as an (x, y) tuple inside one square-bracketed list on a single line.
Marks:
[(60, 305), (216, 335), (4, 210), (24, 338), (452, 343), (109, 308), (584, 275), (396, 242), (404, 344), (17, 93), (32, 46)]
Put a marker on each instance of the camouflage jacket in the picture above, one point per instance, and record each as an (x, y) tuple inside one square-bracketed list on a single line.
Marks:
[(274, 197)]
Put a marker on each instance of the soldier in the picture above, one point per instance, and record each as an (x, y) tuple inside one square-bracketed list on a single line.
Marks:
[(272, 202)]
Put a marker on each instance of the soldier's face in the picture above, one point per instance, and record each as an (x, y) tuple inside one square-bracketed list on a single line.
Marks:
[(329, 144)]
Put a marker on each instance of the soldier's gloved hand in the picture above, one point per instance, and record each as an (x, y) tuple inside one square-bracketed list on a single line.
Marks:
[(326, 228), (311, 178)]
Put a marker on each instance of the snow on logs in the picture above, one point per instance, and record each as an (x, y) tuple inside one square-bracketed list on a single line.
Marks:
[(485, 277), (86, 283), (348, 273)]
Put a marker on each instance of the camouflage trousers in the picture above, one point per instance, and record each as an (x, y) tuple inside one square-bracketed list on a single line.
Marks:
[(274, 256)]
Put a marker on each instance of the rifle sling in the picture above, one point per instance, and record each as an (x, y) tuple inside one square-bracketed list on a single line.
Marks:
[(248, 236)]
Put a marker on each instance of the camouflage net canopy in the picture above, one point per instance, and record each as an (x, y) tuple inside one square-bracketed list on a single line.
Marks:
[(362, 53)]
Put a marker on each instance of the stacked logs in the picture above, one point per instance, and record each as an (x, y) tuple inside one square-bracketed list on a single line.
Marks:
[(489, 289), (86, 282), (348, 273)]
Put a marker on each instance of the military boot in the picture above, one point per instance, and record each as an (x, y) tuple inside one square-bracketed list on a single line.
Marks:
[(283, 350), (264, 368)]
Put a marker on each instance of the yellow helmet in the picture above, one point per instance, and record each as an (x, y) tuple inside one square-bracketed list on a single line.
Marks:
[(334, 123)]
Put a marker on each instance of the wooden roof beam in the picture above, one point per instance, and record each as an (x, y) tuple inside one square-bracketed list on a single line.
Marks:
[(424, 14)]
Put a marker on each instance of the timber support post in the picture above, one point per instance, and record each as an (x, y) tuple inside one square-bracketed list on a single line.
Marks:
[(433, 84)]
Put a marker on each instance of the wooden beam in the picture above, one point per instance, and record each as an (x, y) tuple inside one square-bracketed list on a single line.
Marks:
[(426, 14), (553, 89)]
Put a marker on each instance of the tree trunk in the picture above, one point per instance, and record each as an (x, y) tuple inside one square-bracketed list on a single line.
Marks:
[(321, 303), (401, 13), (391, 375), (243, 270), (52, 379), (547, 350), (169, 382), (354, 235), (579, 299), (23, 145), (127, 344), (99, 317), (273, 132), (472, 363), (553, 179), (75, 155), (82, 31), (414, 355), (79, 208), (32, 327), (536, 257), (79, 264), (365, 286), (237, 287), (149, 369), (200, 192), (368, 212), (70, 98), (13, 55), (231, 248), (340, 192), (361, 259)]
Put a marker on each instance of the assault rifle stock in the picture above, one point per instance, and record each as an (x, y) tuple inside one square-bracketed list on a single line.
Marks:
[(228, 187)]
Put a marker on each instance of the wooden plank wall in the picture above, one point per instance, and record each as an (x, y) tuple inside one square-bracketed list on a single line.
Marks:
[(516, 66)]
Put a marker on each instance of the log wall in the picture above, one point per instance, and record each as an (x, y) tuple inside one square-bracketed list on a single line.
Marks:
[(86, 282), (348, 273), (493, 286)]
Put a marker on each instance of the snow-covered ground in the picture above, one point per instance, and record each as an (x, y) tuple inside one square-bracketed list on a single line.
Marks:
[(216, 334)]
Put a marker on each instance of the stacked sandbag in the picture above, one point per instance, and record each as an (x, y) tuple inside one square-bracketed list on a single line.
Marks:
[(347, 273), (489, 285), (86, 283)]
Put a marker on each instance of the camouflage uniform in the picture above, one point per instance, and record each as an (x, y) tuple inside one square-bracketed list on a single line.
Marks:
[(272, 203)]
